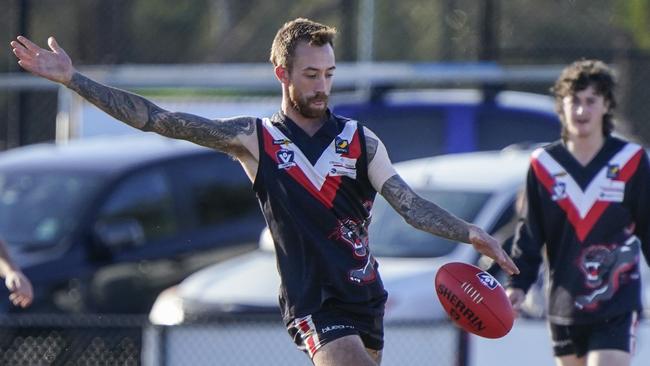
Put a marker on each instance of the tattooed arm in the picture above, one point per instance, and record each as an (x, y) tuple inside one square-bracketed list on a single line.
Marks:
[(142, 114), (235, 136), (418, 212), (423, 214)]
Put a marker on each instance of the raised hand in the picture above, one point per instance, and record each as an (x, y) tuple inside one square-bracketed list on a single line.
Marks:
[(54, 65), (22, 293), (487, 245)]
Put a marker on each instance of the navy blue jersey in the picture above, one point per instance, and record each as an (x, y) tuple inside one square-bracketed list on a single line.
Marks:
[(316, 197), (591, 223)]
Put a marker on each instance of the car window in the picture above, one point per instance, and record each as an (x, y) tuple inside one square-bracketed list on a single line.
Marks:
[(520, 127), (408, 133), (39, 208), (146, 199), (218, 190), (505, 220), (391, 236)]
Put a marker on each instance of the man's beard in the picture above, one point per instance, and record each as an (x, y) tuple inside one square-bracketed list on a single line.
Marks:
[(303, 105)]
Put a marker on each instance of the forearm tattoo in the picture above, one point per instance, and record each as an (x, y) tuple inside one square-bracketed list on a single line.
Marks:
[(422, 214), (371, 148), (142, 114)]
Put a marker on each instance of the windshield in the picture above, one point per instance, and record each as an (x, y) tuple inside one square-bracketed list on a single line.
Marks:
[(391, 236), (39, 208)]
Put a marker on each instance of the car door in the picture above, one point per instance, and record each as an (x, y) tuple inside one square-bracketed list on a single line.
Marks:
[(220, 212), (139, 226), (163, 222)]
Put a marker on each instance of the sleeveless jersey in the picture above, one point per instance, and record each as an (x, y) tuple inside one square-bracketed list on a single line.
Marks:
[(593, 222), (316, 197)]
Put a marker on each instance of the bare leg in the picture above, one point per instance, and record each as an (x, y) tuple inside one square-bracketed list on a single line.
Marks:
[(348, 350), (608, 357), (375, 355), (570, 360)]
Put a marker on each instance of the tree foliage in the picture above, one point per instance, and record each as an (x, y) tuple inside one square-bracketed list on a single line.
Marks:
[(634, 16), (197, 31)]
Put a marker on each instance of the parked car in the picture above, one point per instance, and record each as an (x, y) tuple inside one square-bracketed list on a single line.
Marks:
[(479, 187), (103, 225), (412, 123), (427, 122)]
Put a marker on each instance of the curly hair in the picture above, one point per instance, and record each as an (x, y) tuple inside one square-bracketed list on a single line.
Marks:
[(579, 76), (295, 31)]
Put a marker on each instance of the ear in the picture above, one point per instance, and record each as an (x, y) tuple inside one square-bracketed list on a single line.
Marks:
[(607, 105), (282, 74)]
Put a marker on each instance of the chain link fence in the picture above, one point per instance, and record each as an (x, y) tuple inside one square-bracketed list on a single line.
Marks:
[(41, 340), (264, 341), (124, 340)]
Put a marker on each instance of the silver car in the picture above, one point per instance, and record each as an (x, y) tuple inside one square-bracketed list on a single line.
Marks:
[(480, 187)]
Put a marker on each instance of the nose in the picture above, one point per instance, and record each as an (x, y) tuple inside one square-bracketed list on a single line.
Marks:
[(580, 110), (321, 84)]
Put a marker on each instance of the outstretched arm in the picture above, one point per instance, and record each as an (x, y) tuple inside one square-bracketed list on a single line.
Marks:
[(17, 283), (426, 215), (228, 135)]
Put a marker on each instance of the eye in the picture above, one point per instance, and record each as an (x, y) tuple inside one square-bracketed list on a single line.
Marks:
[(569, 101)]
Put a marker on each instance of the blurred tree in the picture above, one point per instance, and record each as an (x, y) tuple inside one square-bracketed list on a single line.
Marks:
[(413, 30), (634, 16), (167, 31), (240, 34), (632, 64), (556, 31), (195, 31)]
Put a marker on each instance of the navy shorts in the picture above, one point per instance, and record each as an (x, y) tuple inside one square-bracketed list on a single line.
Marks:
[(616, 333), (313, 331)]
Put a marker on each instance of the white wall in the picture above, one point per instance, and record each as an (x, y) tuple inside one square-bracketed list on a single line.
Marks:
[(528, 343)]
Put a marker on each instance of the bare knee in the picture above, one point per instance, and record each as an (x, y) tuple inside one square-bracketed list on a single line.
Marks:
[(348, 350), (608, 357), (570, 360), (375, 354)]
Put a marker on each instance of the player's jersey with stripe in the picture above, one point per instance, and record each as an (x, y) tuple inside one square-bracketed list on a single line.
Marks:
[(316, 198), (593, 221)]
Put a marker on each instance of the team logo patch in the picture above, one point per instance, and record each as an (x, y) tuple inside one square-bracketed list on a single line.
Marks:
[(559, 191), (342, 146), (487, 280), (285, 159), (281, 142), (613, 170)]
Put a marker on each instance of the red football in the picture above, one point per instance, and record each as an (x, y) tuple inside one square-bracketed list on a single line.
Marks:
[(474, 300)]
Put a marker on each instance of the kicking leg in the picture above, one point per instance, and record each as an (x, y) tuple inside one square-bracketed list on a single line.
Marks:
[(348, 350)]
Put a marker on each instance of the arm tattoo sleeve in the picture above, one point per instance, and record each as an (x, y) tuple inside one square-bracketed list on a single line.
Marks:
[(142, 114), (371, 148), (422, 214)]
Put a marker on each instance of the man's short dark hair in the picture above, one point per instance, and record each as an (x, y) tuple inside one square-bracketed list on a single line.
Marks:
[(295, 31)]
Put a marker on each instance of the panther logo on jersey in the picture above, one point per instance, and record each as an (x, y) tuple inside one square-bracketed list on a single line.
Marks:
[(606, 268), (594, 263), (352, 234), (355, 235)]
